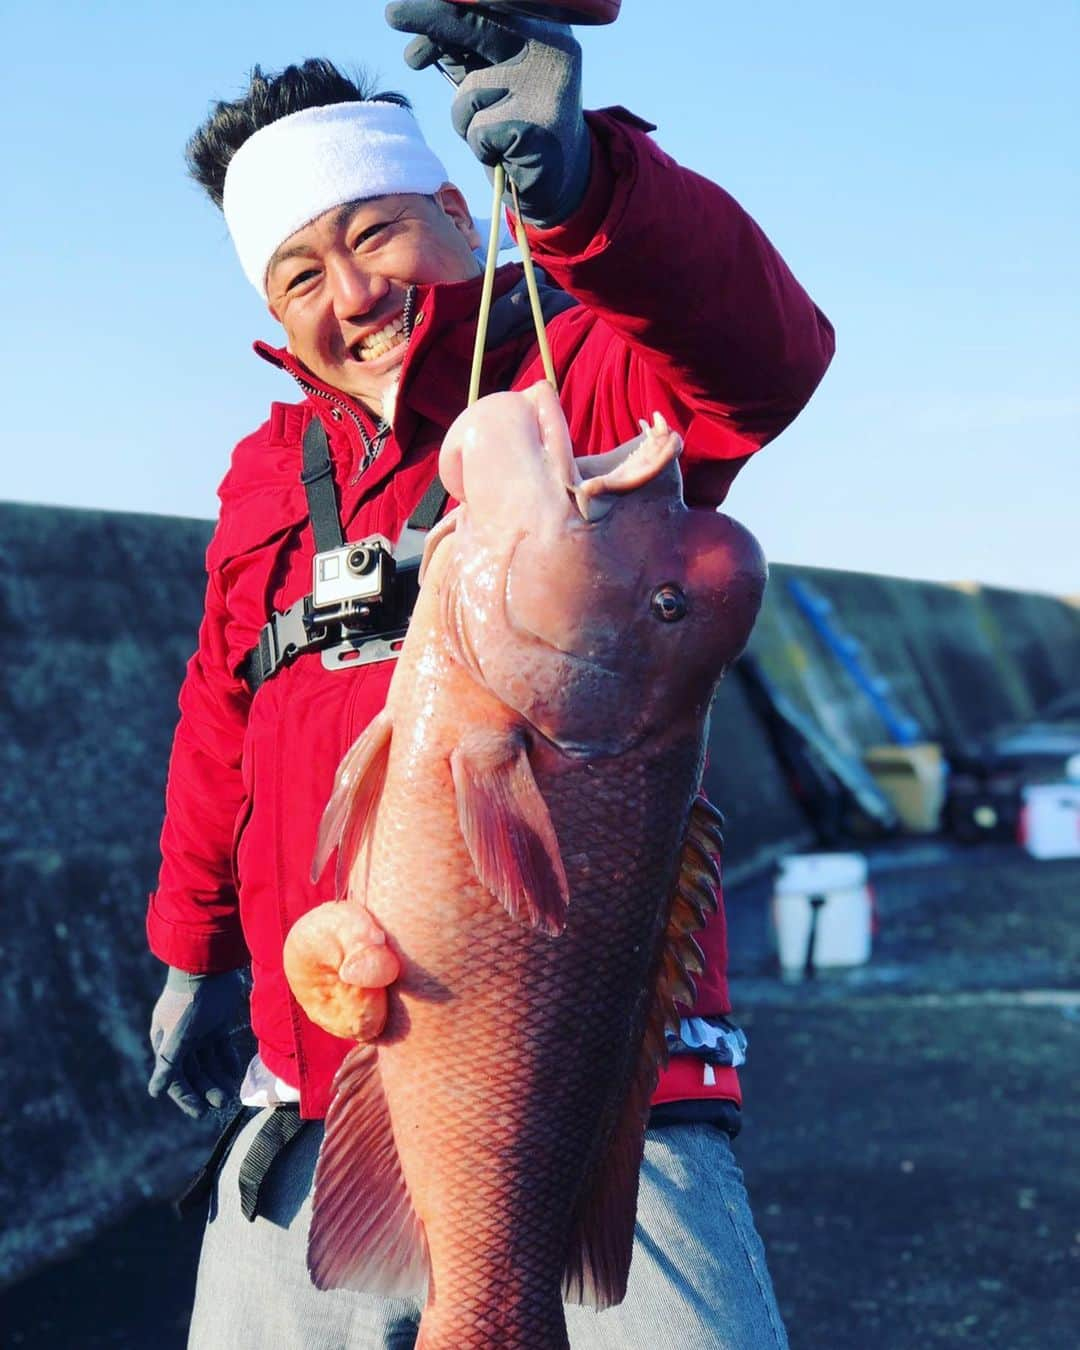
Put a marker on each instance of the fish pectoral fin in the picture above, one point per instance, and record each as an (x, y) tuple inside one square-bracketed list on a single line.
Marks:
[(364, 1233), (350, 812), (508, 830)]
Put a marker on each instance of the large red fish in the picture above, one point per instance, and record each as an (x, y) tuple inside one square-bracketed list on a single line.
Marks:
[(526, 858)]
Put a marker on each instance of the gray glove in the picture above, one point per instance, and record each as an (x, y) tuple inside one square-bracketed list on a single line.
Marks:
[(519, 98), (194, 1060)]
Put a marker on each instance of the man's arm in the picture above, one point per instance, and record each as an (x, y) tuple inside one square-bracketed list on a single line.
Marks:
[(193, 922), (715, 332), (677, 269)]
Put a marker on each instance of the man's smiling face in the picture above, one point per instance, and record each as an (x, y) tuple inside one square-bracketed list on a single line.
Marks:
[(338, 286)]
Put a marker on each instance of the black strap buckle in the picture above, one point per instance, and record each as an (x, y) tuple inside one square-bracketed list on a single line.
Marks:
[(282, 640)]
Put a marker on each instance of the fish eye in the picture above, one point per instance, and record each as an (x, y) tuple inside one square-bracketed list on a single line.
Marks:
[(668, 603)]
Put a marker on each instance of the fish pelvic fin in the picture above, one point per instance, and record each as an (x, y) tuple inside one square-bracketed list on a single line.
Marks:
[(603, 1238), (350, 812), (508, 830), (364, 1233)]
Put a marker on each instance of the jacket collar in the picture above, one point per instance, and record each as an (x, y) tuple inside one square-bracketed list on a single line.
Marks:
[(441, 305), (434, 374)]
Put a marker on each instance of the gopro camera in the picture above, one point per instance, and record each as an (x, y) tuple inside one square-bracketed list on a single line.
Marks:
[(347, 581)]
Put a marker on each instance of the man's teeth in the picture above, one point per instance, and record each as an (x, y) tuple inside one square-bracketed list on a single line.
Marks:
[(378, 344)]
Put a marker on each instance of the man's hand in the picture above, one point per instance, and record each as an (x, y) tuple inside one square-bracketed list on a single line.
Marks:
[(519, 96), (194, 1060)]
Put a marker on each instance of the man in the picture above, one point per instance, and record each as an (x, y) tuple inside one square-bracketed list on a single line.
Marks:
[(667, 297)]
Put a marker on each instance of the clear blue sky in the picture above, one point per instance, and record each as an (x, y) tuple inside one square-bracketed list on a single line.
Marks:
[(916, 164)]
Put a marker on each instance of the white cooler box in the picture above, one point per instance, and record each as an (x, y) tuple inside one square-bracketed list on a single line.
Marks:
[(1050, 820), (835, 886)]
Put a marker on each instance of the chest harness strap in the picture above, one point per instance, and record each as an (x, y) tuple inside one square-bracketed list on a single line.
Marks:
[(356, 633), (317, 477), (430, 506), (350, 631)]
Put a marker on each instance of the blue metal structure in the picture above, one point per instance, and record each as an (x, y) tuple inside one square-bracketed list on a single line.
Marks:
[(848, 650)]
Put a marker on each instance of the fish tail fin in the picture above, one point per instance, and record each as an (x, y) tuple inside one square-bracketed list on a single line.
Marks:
[(350, 812), (602, 1243), (365, 1234)]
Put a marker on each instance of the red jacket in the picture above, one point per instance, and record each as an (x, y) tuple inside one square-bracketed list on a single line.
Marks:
[(685, 308)]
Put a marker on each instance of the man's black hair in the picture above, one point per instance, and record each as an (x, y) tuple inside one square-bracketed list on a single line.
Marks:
[(312, 84)]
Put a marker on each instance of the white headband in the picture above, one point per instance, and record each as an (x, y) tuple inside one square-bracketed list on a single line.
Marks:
[(293, 170)]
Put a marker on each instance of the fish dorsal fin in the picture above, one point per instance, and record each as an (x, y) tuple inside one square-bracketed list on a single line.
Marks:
[(350, 812), (603, 1239), (364, 1234), (695, 900), (507, 828)]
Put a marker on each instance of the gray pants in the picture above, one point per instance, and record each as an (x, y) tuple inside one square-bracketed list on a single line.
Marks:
[(698, 1279)]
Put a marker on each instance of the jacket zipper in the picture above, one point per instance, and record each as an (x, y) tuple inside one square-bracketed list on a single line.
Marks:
[(372, 444)]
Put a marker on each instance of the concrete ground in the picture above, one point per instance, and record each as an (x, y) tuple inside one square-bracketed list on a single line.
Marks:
[(910, 1138), (912, 1130)]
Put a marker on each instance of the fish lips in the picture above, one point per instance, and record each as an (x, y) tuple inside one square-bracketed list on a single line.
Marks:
[(559, 563), (510, 460)]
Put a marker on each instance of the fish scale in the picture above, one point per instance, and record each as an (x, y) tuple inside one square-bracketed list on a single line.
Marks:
[(519, 829), (513, 1187)]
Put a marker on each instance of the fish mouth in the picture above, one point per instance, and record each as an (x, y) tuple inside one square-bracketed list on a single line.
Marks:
[(594, 486)]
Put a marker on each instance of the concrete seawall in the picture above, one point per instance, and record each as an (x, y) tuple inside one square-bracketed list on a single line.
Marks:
[(959, 661), (99, 612)]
